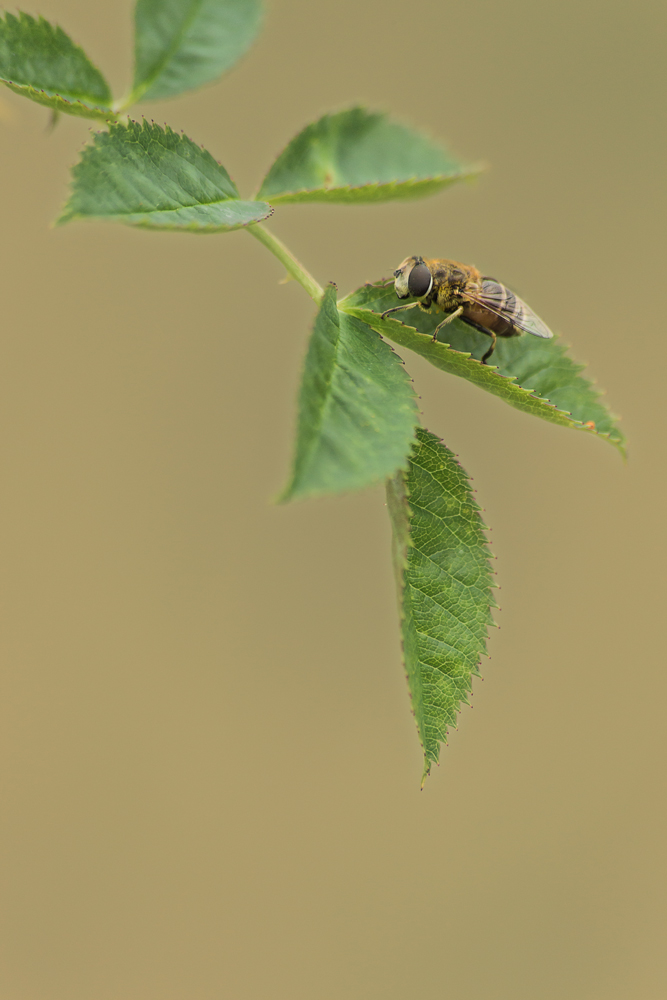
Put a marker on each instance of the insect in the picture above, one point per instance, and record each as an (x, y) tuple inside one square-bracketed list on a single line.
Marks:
[(461, 291)]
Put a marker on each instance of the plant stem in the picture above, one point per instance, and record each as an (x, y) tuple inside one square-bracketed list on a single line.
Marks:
[(121, 106), (288, 260)]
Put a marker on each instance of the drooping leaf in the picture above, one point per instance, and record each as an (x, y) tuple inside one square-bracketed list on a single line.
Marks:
[(357, 408), (143, 175), (534, 375), (444, 583), (182, 44), (39, 61), (360, 156)]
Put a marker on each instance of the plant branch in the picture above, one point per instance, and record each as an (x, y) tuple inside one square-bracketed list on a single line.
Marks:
[(288, 260), (120, 107)]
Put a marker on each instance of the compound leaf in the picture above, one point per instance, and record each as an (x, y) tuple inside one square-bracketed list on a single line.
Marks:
[(534, 375), (357, 408), (182, 44), (359, 156), (143, 175), (39, 61), (441, 560)]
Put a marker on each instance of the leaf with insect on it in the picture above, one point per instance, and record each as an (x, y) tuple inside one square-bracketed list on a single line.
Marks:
[(39, 61), (444, 581), (183, 44), (358, 156), (146, 176), (532, 374), (357, 408)]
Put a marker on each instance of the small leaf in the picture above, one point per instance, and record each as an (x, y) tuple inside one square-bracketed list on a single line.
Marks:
[(357, 408), (534, 375), (146, 176), (360, 156), (182, 44), (39, 61), (444, 582)]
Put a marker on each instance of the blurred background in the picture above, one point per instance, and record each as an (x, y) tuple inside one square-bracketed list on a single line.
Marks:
[(210, 774)]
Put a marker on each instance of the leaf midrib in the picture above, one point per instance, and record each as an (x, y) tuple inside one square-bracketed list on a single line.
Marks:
[(438, 604), (166, 211), (140, 90)]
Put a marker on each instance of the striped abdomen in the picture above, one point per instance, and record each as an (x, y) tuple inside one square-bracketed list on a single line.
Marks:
[(498, 309)]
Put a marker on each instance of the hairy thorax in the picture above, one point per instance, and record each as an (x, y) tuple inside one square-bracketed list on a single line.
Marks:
[(452, 284), (450, 279)]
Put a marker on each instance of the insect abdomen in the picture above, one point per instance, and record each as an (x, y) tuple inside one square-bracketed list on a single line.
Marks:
[(505, 313)]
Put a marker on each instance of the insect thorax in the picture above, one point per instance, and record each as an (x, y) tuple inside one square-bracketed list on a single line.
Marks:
[(450, 280), (446, 296)]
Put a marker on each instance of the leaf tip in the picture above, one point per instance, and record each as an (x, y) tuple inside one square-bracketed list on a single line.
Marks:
[(63, 218), (285, 495), (425, 773)]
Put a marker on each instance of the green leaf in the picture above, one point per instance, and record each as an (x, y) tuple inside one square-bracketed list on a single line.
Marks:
[(444, 579), (39, 61), (360, 156), (357, 408), (182, 44), (534, 375), (145, 176)]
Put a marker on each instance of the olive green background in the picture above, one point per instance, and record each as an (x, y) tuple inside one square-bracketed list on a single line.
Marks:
[(210, 775)]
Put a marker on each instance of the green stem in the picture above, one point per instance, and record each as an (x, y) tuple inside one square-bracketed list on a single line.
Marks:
[(120, 106), (288, 260)]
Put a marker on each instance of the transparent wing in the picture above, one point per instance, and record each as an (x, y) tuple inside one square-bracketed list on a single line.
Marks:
[(499, 300)]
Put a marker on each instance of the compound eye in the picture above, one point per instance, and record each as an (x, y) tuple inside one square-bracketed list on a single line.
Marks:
[(419, 280)]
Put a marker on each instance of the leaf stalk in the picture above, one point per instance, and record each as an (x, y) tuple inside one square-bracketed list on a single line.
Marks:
[(288, 260)]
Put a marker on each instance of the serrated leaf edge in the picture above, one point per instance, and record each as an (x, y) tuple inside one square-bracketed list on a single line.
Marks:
[(27, 90), (355, 107), (66, 216), (400, 561), (139, 91), (286, 495), (576, 424), (324, 193)]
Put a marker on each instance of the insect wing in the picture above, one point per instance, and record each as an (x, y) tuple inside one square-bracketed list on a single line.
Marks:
[(498, 299), (530, 322)]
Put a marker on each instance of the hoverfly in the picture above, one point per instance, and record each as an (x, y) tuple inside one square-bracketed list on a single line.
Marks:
[(461, 291)]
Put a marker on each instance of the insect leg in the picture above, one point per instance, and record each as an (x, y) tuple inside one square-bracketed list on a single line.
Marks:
[(446, 320), (396, 309), (484, 330), (491, 349)]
